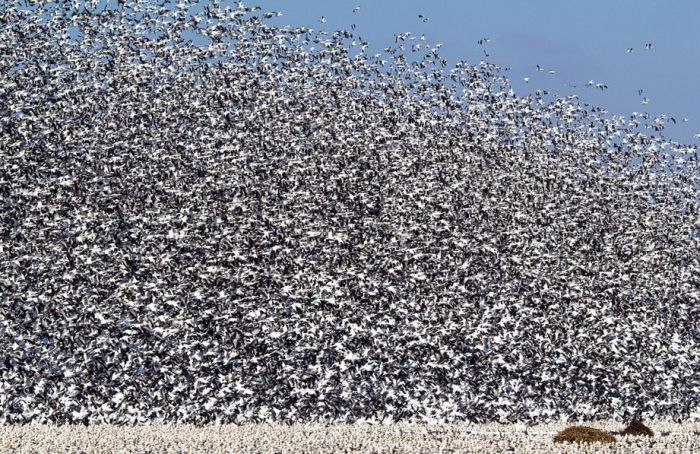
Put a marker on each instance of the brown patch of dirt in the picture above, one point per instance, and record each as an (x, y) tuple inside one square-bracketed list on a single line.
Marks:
[(636, 428), (583, 434)]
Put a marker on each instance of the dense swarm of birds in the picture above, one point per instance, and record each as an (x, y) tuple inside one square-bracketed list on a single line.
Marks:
[(275, 225)]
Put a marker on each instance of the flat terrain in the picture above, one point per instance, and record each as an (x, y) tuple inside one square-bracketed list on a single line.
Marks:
[(265, 438)]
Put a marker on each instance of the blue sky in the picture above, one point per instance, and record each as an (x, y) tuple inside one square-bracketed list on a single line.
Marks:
[(580, 40)]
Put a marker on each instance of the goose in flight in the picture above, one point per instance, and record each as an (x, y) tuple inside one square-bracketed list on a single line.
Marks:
[(401, 37)]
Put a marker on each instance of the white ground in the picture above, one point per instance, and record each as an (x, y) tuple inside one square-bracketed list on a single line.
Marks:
[(262, 438)]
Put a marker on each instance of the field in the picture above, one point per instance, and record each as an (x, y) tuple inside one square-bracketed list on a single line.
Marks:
[(317, 438)]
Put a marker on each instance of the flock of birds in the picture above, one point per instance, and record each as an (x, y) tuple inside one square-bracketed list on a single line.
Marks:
[(269, 227), (591, 83)]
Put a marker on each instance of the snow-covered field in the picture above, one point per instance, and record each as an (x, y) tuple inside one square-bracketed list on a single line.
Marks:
[(396, 438)]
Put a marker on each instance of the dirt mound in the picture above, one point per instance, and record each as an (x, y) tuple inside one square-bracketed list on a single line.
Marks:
[(582, 434), (637, 428)]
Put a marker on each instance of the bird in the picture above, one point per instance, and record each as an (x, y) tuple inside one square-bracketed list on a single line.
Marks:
[(423, 17), (630, 50), (483, 41), (526, 79), (356, 9), (648, 46), (322, 19), (401, 36)]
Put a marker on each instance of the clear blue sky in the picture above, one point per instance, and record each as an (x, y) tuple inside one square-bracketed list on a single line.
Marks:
[(580, 40)]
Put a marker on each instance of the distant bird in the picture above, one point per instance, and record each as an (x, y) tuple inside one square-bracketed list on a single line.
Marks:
[(590, 83), (640, 91), (601, 86), (539, 68), (526, 79), (645, 101), (697, 136), (322, 19), (401, 37), (630, 50), (356, 9), (648, 46), (423, 17), (551, 71), (483, 41)]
